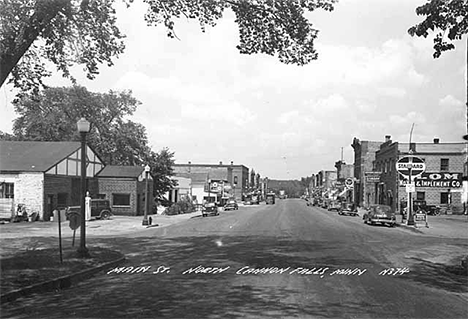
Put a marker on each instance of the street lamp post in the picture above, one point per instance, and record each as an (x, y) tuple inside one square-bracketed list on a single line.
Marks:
[(145, 218), (83, 127)]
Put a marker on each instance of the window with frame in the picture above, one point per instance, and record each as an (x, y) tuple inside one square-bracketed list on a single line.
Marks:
[(420, 195), (62, 199), (121, 199), (444, 198), (444, 164), (7, 190)]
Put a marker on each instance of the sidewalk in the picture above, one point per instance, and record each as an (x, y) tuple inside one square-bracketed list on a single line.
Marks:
[(23, 256), (111, 227), (447, 226)]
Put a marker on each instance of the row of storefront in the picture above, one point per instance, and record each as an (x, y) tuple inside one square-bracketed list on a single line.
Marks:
[(376, 180)]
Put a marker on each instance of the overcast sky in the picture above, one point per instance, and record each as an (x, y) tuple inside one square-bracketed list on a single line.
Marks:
[(207, 103)]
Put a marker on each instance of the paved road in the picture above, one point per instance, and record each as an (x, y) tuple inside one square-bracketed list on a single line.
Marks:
[(282, 261)]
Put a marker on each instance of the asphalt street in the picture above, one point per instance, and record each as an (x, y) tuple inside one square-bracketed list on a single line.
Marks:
[(286, 260)]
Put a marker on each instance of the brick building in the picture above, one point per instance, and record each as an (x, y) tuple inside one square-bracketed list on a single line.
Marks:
[(440, 184), (364, 156), (125, 188), (234, 179), (43, 176), (343, 172)]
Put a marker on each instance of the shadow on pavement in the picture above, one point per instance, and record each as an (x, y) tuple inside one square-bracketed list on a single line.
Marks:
[(224, 295), (440, 276)]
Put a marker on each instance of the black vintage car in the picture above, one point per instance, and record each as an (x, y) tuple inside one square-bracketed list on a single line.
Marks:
[(348, 209), (380, 214), (100, 209), (231, 205), (210, 209)]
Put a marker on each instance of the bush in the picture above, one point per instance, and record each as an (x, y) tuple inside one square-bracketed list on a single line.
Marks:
[(181, 207)]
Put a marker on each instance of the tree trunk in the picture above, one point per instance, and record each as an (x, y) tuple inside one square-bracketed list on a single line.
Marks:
[(44, 12)]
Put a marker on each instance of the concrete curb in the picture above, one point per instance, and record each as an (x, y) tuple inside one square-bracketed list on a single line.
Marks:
[(59, 283)]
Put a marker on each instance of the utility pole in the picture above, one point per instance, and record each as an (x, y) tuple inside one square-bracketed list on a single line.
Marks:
[(410, 220)]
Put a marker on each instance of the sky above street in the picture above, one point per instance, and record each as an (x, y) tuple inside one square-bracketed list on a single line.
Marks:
[(208, 103)]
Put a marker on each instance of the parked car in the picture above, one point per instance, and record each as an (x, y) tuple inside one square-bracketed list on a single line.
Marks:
[(270, 198), (231, 205), (334, 205), (100, 209), (210, 209), (325, 203), (380, 214), (255, 200), (348, 209)]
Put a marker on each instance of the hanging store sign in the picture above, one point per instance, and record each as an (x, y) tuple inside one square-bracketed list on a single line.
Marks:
[(372, 177), (436, 180)]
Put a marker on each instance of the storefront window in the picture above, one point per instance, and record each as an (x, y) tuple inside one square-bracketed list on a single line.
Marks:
[(444, 198), (121, 199), (421, 195), (7, 190), (62, 199)]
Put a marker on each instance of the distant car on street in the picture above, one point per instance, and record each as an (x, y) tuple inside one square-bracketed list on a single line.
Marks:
[(210, 209), (347, 209), (270, 198), (380, 214), (100, 209), (231, 205), (334, 205), (325, 203)]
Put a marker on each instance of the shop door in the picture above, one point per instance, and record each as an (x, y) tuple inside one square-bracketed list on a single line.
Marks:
[(49, 207)]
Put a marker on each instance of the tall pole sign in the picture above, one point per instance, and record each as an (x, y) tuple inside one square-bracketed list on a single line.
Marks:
[(410, 167)]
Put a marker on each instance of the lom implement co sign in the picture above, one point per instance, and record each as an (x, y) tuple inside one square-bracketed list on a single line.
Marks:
[(436, 180)]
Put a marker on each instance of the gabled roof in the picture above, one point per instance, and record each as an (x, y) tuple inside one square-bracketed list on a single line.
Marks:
[(121, 171), (30, 156)]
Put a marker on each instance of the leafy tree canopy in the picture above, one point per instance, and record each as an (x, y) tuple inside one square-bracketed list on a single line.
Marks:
[(448, 17), (52, 116), (84, 32)]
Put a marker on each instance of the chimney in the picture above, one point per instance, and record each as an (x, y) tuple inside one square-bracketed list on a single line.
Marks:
[(232, 163), (436, 140), (387, 138), (189, 163), (220, 163)]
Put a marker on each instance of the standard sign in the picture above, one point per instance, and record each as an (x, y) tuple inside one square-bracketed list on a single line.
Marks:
[(410, 165), (349, 182)]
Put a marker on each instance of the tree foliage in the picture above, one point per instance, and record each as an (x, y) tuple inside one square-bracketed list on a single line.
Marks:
[(84, 32), (448, 18), (52, 116), (292, 188), (64, 32)]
